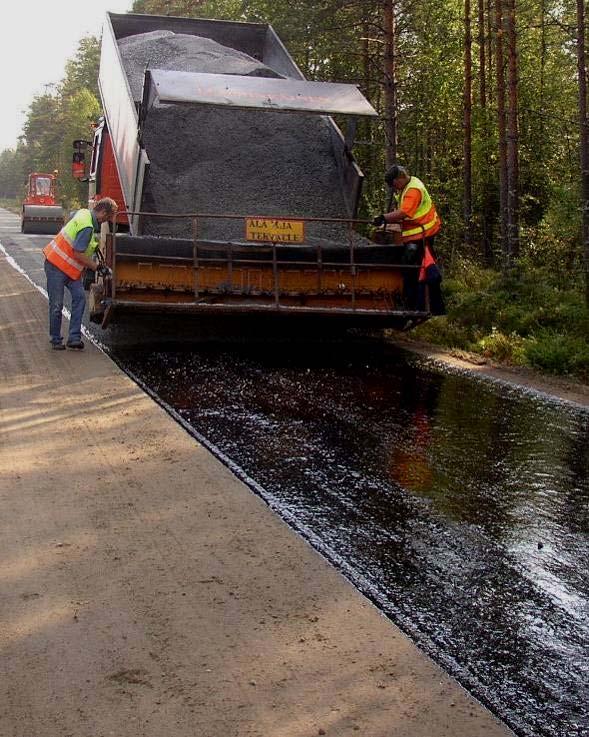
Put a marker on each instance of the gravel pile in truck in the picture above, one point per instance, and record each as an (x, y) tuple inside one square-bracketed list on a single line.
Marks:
[(225, 160), (186, 53)]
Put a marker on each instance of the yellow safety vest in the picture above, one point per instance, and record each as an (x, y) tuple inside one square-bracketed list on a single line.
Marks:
[(426, 221), (60, 251)]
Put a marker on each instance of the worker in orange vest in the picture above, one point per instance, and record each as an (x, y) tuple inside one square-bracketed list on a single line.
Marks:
[(420, 222), (66, 257)]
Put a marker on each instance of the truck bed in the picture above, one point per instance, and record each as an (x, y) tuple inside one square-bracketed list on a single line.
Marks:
[(223, 147), (199, 158)]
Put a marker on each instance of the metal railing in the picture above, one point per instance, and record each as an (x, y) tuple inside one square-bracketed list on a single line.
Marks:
[(201, 248)]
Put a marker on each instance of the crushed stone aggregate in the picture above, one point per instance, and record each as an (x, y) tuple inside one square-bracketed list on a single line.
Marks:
[(226, 161)]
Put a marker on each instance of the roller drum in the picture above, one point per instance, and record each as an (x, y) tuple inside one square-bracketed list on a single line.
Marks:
[(42, 219)]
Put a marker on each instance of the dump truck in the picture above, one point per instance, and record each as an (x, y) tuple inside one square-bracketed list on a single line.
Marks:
[(40, 211), (238, 193)]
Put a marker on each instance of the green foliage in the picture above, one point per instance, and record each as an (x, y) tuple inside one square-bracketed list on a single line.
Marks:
[(552, 244), (53, 121), (41, 134), (11, 205), (12, 175), (81, 71), (444, 332), (503, 348), (556, 353), (525, 319)]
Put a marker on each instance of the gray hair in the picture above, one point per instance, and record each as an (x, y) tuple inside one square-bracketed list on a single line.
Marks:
[(106, 204)]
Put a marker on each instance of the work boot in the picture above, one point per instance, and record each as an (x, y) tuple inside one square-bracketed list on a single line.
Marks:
[(58, 346), (78, 346)]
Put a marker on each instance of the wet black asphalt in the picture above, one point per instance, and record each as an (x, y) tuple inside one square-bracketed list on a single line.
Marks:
[(460, 508)]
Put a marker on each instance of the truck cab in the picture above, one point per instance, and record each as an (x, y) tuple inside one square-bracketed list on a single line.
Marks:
[(94, 162)]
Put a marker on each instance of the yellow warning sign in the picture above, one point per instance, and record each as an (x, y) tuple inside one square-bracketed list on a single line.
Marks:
[(275, 230)]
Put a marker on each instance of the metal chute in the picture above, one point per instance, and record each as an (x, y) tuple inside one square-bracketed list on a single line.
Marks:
[(259, 93)]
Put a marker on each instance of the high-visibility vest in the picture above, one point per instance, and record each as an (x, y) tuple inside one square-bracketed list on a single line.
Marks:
[(60, 251), (426, 221)]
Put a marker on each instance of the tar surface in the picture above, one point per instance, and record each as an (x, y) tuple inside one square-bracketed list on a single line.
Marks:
[(461, 508)]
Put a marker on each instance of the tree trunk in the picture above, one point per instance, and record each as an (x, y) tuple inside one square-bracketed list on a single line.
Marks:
[(366, 61), (489, 4), (512, 138), (366, 127), (467, 125), (542, 65), (487, 218), (390, 82), (584, 138), (501, 129), (482, 56)]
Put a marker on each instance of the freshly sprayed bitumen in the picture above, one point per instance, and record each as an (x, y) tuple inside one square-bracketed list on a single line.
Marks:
[(436, 494), (206, 159)]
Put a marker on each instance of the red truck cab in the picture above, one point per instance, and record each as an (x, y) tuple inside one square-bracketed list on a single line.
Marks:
[(101, 171)]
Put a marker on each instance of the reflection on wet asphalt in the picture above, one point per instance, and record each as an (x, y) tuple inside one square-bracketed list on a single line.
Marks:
[(460, 507)]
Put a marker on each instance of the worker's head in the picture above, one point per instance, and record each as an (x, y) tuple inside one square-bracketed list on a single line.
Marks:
[(397, 177), (105, 209)]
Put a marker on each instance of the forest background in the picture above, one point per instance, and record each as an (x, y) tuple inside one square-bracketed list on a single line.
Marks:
[(485, 100)]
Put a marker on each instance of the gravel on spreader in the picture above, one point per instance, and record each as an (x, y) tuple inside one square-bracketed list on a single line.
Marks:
[(221, 160)]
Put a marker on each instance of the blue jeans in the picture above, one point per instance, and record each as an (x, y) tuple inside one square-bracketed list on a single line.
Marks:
[(56, 282)]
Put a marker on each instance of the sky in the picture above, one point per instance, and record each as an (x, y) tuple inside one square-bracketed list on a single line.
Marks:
[(37, 37)]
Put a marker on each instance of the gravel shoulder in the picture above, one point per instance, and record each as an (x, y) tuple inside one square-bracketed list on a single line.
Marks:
[(566, 389), (145, 591)]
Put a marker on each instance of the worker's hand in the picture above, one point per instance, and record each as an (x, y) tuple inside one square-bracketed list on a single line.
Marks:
[(379, 221), (103, 271)]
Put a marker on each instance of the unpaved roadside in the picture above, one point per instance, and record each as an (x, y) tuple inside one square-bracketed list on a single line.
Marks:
[(569, 390), (145, 591)]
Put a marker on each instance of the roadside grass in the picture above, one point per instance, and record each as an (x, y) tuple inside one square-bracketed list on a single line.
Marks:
[(11, 205), (522, 320)]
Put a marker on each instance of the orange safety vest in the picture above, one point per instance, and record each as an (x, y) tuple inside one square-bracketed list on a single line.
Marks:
[(60, 251), (426, 221)]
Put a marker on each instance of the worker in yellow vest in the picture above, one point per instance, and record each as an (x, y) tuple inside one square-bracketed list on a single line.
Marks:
[(420, 222), (66, 257)]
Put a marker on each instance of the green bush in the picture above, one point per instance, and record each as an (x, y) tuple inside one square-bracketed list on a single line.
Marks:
[(551, 245), (445, 332), (502, 348), (525, 318), (11, 205), (558, 354)]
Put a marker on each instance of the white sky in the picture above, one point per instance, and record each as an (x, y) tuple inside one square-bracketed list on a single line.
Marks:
[(36, 39)]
